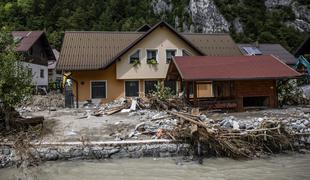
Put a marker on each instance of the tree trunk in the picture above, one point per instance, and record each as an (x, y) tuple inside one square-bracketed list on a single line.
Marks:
[(7, 117)]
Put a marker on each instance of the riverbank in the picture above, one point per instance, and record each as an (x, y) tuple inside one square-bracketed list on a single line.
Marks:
[(76, 134), (42, 152), (284, 167)]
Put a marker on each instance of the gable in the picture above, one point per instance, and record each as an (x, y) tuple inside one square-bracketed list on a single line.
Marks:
[(33, 41), (161, 39)]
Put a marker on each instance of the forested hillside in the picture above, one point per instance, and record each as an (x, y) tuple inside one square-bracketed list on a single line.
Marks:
[(248, 21)]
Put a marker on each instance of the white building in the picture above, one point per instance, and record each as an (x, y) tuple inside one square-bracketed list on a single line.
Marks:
[(36, 52)]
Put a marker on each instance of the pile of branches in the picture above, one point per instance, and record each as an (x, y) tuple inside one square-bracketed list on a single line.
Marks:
[(22, 140), (289, 93), (213, 140), (24, 148)]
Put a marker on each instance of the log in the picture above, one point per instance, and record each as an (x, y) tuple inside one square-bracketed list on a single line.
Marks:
[(116, 109), (199, 123), (30, 121)]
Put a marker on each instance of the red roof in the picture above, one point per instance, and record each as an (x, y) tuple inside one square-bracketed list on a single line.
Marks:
[(28, 38), (232, 68)]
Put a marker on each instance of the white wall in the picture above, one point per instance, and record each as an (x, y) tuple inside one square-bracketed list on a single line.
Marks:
[(36, 79)]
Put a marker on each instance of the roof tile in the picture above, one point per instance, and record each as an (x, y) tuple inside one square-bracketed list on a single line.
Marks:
[(232, 68)]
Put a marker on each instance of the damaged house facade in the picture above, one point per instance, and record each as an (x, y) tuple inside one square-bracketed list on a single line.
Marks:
[(110, 65), (239, 82), (209, 69), (36, 52)]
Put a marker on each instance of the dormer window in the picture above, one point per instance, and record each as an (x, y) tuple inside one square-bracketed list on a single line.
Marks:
[(135, 58), (170, 53), (151, 56)]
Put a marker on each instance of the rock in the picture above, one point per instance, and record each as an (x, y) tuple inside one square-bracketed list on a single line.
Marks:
[(202, 117), (207, 17), (249, 126), (301, 127), (77, 153), (255, 124), (260, 119), (284, 121), (52, 155), (161, 6), (304, 151), (237, 25), (302, 139), (277, 3), (130, 135), (305, 122), (235, 125), (242, 125), (6, 151), (294, 125), (227, 124), (308, 140)]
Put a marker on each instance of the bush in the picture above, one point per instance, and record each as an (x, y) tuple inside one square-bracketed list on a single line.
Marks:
[(161, 92)]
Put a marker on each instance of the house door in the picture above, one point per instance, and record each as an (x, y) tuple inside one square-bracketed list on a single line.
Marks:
[(131, 88)]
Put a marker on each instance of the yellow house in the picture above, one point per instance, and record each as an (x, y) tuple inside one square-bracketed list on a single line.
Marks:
[(110, 65)]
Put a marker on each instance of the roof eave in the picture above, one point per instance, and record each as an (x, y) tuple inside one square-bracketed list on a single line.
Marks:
[(245, 78)]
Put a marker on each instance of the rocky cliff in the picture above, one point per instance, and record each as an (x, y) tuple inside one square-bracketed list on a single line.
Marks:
[(206, 17)]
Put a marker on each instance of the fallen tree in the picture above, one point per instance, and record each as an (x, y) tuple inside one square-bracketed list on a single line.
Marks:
[(212, 140)]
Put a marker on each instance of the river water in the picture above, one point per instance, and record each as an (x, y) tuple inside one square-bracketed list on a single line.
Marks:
[(295, 167)]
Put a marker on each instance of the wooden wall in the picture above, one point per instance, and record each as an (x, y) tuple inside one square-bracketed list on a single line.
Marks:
[(256, 88)]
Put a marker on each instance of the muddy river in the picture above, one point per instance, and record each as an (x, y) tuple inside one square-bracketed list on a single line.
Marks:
[(293, 167)]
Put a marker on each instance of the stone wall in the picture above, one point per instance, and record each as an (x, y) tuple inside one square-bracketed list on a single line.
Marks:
[(54, 152)]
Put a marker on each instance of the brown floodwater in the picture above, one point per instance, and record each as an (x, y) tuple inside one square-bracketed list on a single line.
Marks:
[(295, 167)]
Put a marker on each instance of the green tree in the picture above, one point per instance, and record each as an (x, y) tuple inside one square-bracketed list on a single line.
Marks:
[(15, 81)]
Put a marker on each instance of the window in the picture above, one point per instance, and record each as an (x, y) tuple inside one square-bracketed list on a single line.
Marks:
[(172, 85), (135, 58), (169, 54), (42, 73), (149, 87), (185, 53), (204, 90), (252, 51), (131, 88), (223, 89), (151, 56), (98, 89)]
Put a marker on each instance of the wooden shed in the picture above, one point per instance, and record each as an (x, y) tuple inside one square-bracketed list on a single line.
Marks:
[(236, 82)]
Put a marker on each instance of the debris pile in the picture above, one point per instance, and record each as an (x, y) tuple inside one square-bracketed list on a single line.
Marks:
[(50, 101), (227, 136), (290, 94), (112, 107), (133, 104), (154, 123), (226, 139)]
